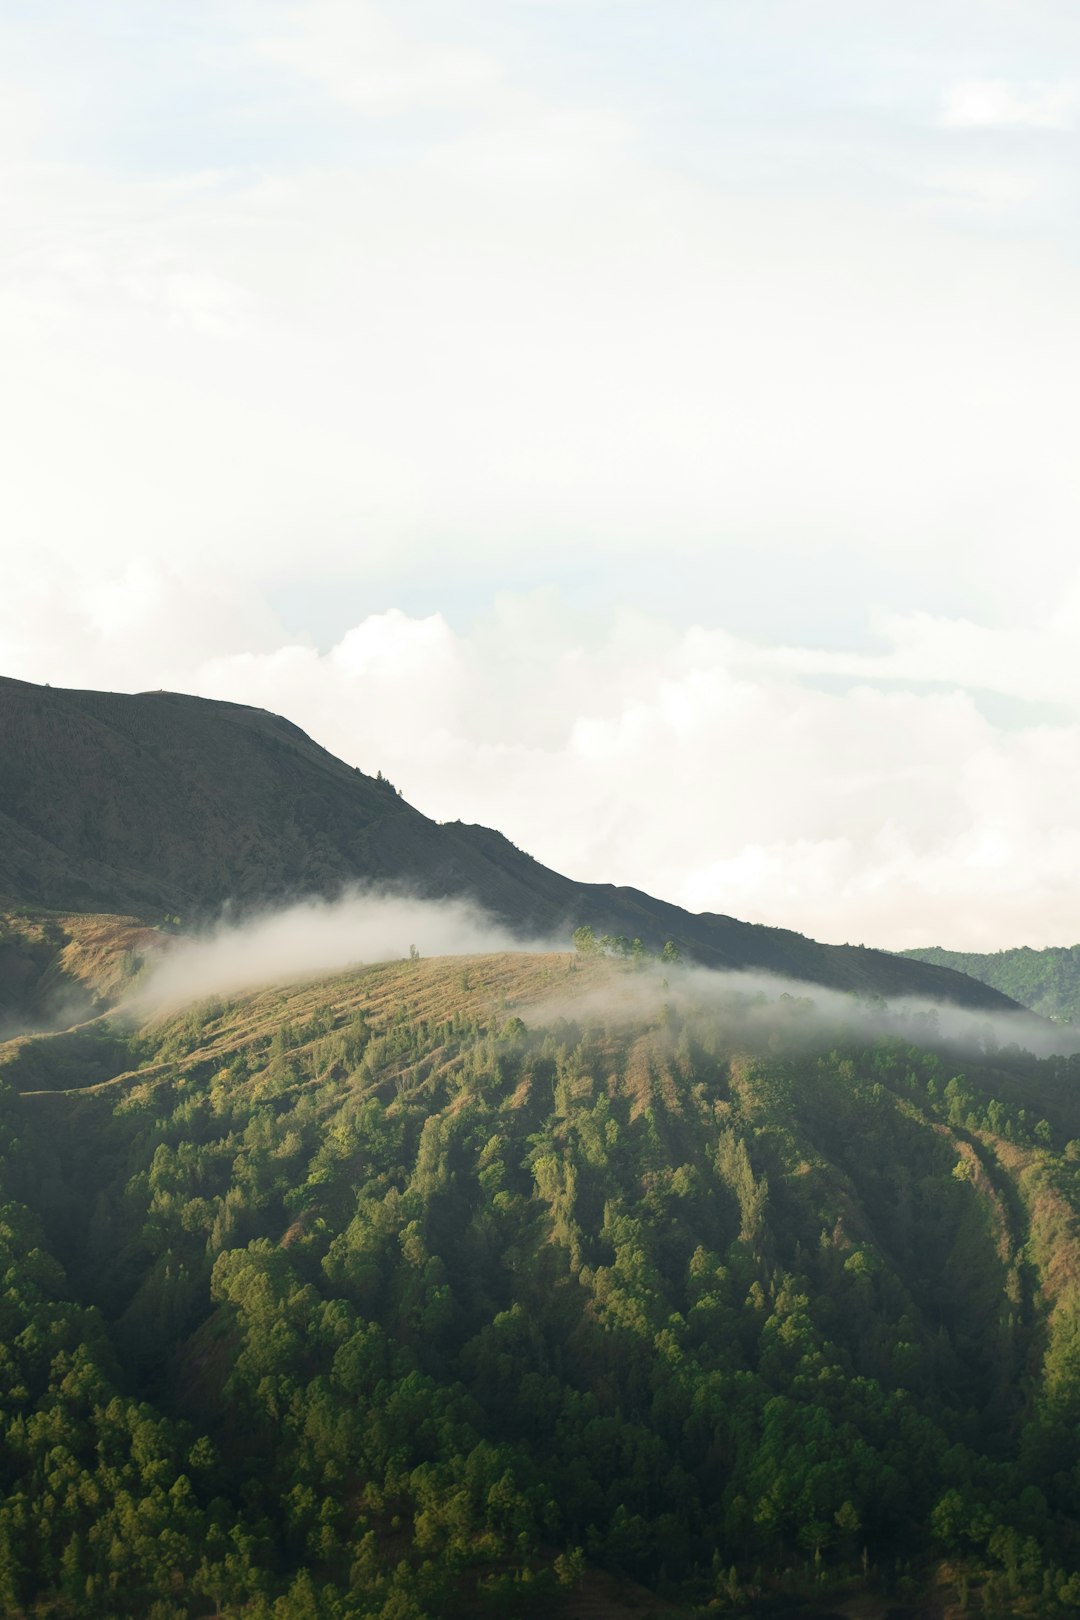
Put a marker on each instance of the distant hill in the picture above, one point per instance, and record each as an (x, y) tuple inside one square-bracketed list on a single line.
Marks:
[(160, 803), (1047, 981)]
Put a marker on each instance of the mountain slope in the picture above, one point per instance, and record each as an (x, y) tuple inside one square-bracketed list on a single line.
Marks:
[(1047, 981), (417, 1291), (162, 803)]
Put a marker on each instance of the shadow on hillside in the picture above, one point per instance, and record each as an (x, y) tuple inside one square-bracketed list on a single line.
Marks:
[(68, 1061)]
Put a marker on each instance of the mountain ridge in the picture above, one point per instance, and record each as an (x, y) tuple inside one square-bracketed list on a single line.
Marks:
[(163, 803)]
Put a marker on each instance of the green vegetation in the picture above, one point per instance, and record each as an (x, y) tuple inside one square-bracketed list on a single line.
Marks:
[(452, 1286), (587, 942), (1047, 981)]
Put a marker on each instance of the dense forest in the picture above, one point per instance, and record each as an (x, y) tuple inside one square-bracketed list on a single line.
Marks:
[(528, 1285), (1047, 981)]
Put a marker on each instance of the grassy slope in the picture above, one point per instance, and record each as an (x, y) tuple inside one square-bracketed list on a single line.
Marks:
[(60, 968)]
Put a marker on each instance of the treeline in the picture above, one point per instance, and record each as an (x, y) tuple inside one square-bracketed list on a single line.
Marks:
[(342, 1310), (587, 942)]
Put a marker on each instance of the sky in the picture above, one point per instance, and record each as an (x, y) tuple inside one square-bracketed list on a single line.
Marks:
[(647, 428)]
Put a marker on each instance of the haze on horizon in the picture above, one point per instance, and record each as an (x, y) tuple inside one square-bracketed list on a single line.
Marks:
[(642, 429)]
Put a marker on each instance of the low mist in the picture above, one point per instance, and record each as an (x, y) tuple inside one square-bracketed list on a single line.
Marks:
[(316, 937), (760, 1010)]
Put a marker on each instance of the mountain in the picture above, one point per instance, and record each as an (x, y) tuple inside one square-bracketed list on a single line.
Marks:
[(1047, 981), (162, 804), (529, 1285), (534, 1286)]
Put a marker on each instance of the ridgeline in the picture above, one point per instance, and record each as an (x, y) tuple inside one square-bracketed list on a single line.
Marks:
[(160, 804)]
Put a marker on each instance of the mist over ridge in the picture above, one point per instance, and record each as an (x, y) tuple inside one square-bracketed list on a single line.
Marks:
[(317, 938), (755, 1007), (314, 938)]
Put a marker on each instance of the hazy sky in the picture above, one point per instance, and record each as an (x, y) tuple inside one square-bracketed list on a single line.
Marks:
[(645, 427)]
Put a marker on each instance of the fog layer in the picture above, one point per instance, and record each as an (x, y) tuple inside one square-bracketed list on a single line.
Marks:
[(761, 1010), (315, 937)]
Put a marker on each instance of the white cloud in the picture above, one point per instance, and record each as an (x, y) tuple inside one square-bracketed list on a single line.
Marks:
[(313, 938), (354, 50), (998, 104), (1035, 662), (527, 334), (591, 358), (683, 764)]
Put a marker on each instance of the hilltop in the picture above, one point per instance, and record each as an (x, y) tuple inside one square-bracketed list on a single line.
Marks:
[(160, 804), (494, 1285)]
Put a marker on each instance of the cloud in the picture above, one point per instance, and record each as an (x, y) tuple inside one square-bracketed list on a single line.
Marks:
[(792, 1015), (998, 104), (716, 773), (365, 59), (528, 338), (1032, 662), (311, 940)]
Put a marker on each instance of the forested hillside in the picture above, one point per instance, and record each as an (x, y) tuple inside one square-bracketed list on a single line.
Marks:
[(1047, 981), (162, 805), (517, 1285)]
